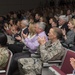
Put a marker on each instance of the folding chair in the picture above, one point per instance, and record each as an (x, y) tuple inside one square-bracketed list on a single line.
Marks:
[(66, 67), (6, 69), (45, 69)]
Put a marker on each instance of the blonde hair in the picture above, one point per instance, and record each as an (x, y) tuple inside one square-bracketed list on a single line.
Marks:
[(32, 29), (72, 21)]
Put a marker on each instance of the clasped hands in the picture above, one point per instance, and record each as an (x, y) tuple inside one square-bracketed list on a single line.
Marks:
[(42, 40), (23, 35)]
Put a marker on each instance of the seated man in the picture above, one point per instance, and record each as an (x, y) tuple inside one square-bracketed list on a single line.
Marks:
[(32, 43), (51, 50), (18, 46)]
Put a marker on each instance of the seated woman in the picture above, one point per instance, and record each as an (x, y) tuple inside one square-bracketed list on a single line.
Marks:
[(4, 55), (70, 36), (29, 38), (51, 50)]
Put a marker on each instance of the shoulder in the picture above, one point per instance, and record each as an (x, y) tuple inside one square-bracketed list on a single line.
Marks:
[(57, 45), (71, 32)]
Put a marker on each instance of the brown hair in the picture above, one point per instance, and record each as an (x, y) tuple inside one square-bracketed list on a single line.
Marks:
[(58, 32)]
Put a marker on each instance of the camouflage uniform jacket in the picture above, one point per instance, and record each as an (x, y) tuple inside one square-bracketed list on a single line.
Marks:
[(49, 51), (4, 55)]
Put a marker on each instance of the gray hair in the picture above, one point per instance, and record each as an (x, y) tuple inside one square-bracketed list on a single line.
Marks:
[(41, 25), (63, 17), (25, 22)]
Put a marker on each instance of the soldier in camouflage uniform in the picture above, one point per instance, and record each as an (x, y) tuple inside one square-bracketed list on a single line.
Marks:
[(4, 55), (51, 50)]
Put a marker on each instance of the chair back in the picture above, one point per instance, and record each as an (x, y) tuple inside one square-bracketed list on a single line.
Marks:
[(9, 61), (6, 68), (66, 66)]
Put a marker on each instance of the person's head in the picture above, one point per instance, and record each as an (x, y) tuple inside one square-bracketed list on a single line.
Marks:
[(11, 22), (14, 29), (37, 16), (54, 22), (14, 15), (24, 23), (42, 19), (32, 29), (31, 19), (3, 39), (68, 12), (39, 27), (62, 19), (18, 23), (51, 20), (71, 24), (61, 12), (55, 33)]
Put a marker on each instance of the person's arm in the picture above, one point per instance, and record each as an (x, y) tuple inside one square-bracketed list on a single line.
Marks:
[(31, 45), (70, 38), (72, 62), (49, 53)]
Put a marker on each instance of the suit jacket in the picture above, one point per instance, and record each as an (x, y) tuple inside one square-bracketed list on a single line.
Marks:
[(25, 31), (65, 26)]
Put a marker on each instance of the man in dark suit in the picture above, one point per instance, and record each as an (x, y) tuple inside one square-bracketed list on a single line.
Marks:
[(18, 47), (63, 21)]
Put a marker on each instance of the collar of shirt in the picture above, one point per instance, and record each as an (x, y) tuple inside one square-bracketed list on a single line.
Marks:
[(60, 26), (41, 34), (24, 28)]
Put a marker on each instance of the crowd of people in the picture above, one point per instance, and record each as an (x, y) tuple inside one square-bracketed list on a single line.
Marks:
[(47, 31)]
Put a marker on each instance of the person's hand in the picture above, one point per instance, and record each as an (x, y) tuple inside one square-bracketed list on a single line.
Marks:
[(18, 38), (72, 62), (24, 35), (63, 31), (41, 40)]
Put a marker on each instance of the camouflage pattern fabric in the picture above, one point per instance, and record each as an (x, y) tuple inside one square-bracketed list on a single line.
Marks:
[(30, 66)]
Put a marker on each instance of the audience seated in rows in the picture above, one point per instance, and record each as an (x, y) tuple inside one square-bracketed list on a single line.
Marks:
[(51, 50), (18, 46), (15, 25), (31, 43)]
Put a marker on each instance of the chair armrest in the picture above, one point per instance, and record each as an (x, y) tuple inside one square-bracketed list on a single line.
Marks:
[(35, 55), (56, 70), (50, 63), (2, 71), (55, 61)]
